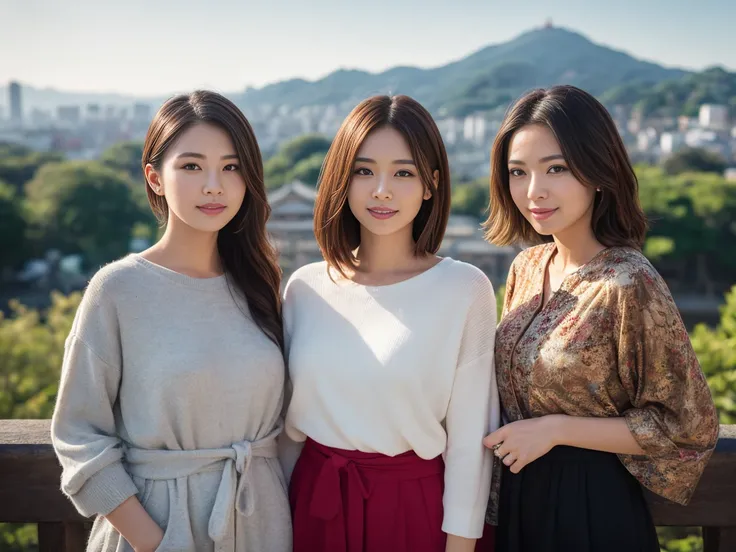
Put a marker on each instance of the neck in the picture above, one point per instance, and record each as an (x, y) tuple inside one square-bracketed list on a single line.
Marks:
[(575, 247), (392, 253), (186, 250)]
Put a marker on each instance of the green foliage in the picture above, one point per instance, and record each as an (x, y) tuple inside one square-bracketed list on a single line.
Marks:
[(31, 352), (694, 160), (12, 228), (471, 198), (500, 292), (83, 207), (716, 350), (17, 537), (18, 165), (298, 159), (674, 97), (692, 224), (126, 157)]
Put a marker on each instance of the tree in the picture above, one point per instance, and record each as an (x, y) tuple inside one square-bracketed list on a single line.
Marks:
[(691, 225), (694, 160), (83, 207), (31, 351), (285, 166), (12, 228), (307, 170), (18, 166), (471, 198), (716, 350), (125, 156)]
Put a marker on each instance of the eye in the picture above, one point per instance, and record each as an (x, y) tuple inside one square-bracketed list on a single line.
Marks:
[(516, 172), (404, 173), (364, 171), (557, 169), (232, 167), (190, 167)]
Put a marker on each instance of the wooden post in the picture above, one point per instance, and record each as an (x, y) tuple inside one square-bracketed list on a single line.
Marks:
[(62, 537)]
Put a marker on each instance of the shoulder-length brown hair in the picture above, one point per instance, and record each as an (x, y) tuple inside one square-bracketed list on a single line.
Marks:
[(595, 154), (336, 228), (247, 255)]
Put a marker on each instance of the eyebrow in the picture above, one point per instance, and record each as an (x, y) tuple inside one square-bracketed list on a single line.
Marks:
[(396, 162), (200, 156), (542, 160)]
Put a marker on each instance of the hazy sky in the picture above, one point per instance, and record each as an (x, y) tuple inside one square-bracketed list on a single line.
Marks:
[(152, 47)]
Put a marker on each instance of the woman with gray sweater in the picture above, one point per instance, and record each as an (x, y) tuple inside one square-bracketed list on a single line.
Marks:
[(172, 382)]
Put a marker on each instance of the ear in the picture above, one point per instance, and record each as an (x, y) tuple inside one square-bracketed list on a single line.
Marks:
[(153, 179), (435, 181)]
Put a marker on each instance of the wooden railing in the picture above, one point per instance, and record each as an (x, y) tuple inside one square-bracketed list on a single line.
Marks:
[(30, 476)]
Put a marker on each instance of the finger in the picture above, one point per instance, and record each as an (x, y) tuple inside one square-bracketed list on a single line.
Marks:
[(517, 466), (494, 438), (502, 450), (509, 459)]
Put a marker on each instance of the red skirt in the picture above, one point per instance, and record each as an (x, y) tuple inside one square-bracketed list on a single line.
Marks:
[(351, 501)]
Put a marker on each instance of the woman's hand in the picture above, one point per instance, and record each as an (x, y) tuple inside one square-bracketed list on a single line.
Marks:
[(521, 443)]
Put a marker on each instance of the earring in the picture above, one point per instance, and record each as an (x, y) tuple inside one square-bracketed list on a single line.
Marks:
[(597, 189)]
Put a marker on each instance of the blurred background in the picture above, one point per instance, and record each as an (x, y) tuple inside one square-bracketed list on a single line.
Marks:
[(80, 82)]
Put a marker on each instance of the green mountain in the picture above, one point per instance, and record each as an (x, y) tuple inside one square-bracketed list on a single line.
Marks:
[(484, 80)]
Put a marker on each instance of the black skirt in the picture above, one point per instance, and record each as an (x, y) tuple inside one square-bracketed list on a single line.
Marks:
[(574, 500)]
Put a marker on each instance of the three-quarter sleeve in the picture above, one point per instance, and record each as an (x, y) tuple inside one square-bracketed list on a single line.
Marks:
[(83, 429), (672, 415)]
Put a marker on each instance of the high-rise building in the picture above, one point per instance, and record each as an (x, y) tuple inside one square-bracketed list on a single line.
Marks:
[(16, 107)]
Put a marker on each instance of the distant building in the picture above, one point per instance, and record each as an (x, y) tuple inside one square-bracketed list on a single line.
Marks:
[(291, 229), (142, 112), (671, 142), (16, 105), (646, 139), (730, 174), (69, 114), (474, 129), (714, 117)]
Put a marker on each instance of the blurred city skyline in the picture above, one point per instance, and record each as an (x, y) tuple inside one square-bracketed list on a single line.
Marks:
[(148, 49)]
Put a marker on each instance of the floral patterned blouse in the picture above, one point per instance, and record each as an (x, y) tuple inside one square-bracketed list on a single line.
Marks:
[(609, 342)]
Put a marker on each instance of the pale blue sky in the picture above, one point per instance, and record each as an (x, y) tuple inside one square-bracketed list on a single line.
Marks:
[(151, 47)]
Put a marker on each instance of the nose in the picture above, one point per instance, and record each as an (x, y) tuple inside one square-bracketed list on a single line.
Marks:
[(212, 185), (537, 188), (382, 191)]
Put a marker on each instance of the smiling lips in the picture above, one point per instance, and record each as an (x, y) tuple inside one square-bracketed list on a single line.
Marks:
[(382, 213), (542, 214), (212, 209)]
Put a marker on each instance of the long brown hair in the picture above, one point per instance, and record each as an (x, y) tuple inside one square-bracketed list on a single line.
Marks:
[(593, 150), (335, 227), (247, 255)]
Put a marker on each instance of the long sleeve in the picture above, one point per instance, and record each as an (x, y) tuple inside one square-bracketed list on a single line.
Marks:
[(673, 417), (474, 411), (289, 449), (83, 427)]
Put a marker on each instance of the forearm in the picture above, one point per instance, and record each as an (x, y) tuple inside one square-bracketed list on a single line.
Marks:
[(135, 525), (459, 544), (604, 434)]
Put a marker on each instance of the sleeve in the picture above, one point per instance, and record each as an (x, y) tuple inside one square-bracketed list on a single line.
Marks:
[(473, 411), (83, 429), (672, 415), (289, 450)]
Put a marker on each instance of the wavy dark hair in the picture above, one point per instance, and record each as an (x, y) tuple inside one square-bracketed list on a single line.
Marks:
[(247, 255), (596, 155), (335, 227)]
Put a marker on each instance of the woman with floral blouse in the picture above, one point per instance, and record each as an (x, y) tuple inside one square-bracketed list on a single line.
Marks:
[(601, 391)]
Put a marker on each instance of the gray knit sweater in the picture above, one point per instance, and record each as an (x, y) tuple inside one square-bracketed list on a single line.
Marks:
[(169, 391)]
